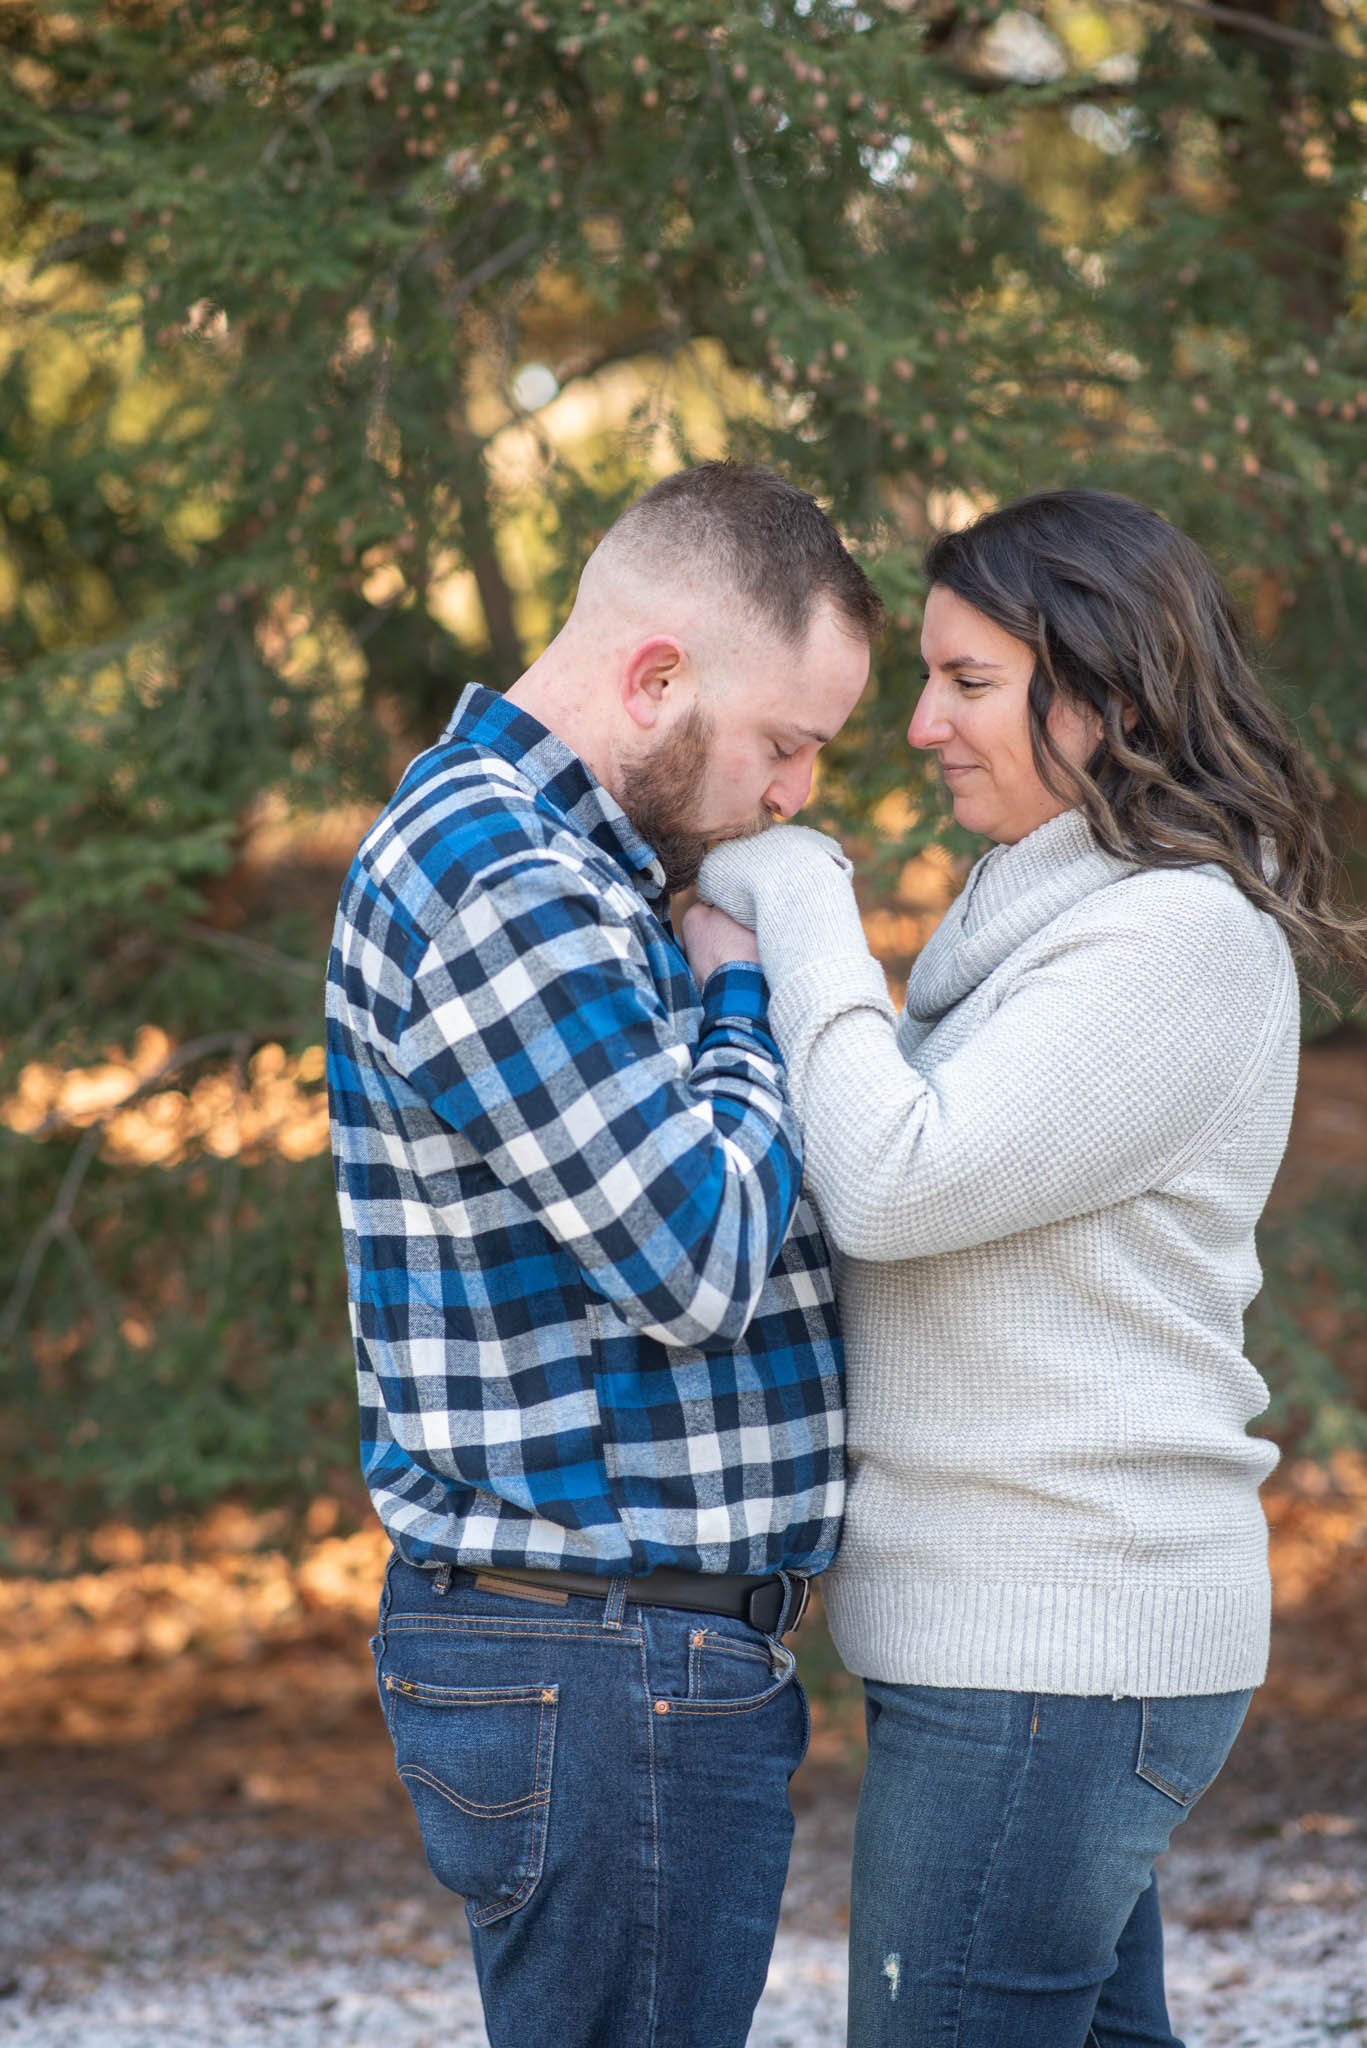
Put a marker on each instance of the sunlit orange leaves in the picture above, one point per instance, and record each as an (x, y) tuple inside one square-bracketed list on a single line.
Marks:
[(272, 1103)]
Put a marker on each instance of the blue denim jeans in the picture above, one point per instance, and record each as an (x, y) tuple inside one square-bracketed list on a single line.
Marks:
[(1004, 1894), (606, 1786)]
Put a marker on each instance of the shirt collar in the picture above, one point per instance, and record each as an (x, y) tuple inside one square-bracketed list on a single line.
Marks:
[(484, 719)]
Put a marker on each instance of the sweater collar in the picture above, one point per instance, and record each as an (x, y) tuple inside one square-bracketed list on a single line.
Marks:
[(1012, 893)]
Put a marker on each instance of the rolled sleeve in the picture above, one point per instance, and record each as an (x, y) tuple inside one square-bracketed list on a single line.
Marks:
[(669, 1174)]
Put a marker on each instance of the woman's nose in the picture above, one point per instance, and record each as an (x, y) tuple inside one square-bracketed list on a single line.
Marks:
[(929, 726)]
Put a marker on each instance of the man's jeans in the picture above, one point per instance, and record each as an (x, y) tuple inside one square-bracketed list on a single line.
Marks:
[(1004, 1894), (607, 1788)]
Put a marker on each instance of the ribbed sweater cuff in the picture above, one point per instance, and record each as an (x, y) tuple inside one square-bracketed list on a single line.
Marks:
[(1141, 1642), (812, 996)]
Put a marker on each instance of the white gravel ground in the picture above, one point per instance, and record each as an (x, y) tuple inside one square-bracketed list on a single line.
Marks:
[(123, 1930)]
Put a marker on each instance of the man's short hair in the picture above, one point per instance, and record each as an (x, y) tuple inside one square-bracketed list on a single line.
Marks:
[(755, 531)]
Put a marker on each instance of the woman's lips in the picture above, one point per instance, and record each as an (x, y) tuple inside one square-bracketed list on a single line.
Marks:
[(952, 768)]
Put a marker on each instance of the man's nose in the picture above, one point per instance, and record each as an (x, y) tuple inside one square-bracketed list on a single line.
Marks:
[(789, 791), (929, 725)]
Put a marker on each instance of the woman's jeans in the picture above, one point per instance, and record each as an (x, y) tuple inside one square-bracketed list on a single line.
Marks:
[(606, 1786), (1004, 1894)]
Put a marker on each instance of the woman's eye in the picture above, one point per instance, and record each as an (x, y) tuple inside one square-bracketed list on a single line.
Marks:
[(969, 684), (781, 755)]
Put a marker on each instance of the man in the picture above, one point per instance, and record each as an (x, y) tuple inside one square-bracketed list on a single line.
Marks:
[(597, 1353)]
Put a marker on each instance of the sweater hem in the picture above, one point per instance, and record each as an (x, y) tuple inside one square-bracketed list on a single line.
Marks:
[(1132, 1641)]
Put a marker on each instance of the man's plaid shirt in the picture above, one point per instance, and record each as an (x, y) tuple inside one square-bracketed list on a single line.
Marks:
[(593, 1317)]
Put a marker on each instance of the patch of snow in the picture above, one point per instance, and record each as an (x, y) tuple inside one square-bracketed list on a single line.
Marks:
[(185, 1936)]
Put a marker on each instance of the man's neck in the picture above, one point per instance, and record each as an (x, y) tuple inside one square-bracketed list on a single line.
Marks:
[(554, 696)]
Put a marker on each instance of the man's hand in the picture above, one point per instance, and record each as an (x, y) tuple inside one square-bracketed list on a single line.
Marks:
[(712, 940)]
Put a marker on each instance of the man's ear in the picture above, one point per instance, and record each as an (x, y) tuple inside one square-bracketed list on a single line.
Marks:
[(648, 675)]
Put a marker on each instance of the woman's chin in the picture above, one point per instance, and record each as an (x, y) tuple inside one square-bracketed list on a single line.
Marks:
[(972, 816)]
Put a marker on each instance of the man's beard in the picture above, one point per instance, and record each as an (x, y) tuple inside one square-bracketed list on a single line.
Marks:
[(660, 794)]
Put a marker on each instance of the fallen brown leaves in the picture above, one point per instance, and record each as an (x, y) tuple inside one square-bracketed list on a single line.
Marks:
[(216, 1665), (1317, 1517)]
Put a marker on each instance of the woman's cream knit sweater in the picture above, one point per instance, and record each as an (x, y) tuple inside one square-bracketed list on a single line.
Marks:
[(1041, 1187)]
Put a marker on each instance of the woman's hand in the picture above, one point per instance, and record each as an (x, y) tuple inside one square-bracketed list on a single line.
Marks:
[(712, 940), (793, 885), (736, 872)]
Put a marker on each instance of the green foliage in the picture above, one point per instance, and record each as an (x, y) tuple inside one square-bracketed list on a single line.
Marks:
[(192, 1343), (1311, 1320), (285, 290)]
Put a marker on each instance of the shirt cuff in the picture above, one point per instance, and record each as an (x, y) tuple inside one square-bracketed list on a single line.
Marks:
[(736, 993)]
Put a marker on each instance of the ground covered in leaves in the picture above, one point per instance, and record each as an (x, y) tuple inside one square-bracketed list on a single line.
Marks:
[(205, 1843), (202, 1844)]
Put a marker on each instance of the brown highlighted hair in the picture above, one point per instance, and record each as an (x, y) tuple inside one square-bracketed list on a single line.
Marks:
[(1126, 617), (762, 535)]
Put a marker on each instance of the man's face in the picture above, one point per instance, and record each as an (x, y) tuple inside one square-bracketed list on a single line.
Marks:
[(733, 767)]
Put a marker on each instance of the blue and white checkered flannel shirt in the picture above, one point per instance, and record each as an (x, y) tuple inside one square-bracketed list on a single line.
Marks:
[(593, 1317)]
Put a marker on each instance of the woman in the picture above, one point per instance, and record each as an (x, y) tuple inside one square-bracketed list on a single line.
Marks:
[(1041, 1184)]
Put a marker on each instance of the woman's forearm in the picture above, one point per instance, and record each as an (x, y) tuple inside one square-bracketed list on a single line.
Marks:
[(1067, 1099)]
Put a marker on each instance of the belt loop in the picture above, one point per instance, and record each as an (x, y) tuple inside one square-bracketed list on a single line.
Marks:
[(441, 1579), (615, 1606)]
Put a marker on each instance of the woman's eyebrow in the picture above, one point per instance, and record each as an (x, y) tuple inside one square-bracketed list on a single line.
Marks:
[(969, 661)]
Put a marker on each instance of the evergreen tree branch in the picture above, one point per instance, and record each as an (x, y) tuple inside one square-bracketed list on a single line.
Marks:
[(773, 255), (528, 244), (1239, 18), (252, 949)]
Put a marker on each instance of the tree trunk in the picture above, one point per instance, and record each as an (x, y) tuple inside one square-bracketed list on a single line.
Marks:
[(480, 549)]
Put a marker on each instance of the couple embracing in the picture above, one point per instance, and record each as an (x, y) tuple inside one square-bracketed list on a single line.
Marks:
[(634, 1217)]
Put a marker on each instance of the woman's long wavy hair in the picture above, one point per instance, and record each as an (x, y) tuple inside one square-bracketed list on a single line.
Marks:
[(1126, 617)]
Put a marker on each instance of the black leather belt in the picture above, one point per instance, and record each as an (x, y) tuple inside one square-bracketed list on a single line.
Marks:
[(775, 1605)]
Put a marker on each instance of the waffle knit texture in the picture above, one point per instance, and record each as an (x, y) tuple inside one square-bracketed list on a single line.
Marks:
[(1042, 1183)]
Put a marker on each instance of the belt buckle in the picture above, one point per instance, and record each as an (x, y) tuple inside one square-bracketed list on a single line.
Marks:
[(776, 1621)]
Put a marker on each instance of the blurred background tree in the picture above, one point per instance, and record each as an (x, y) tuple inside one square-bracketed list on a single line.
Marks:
[(335, 332)]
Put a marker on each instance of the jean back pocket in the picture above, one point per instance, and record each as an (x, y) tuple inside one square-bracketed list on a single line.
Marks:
[(477, 1765), (1183, 1743)]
